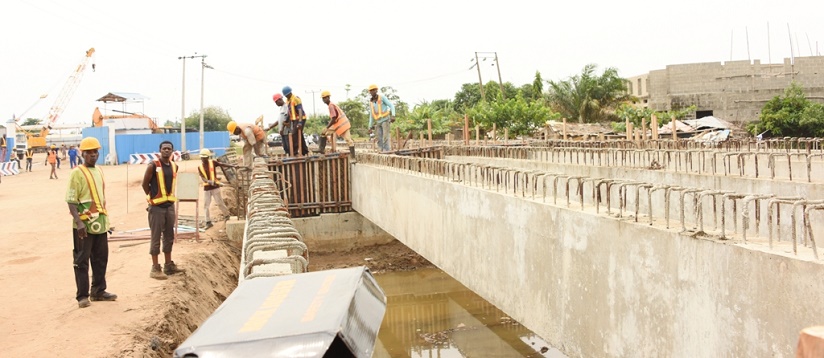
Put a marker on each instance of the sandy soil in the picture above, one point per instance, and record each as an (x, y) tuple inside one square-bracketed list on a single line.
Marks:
[(39, 315)]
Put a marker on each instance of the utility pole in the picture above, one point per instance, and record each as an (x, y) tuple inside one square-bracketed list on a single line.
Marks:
[(480, 81), (203, 68), (183, 103), (494, 57), (314, 110)]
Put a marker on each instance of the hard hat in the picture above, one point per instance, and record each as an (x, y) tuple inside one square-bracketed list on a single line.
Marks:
[(89, 143), (231, 126), (205, 153), (373, 86), (325, 94), (286, 90), (277, 96), (53, 146)]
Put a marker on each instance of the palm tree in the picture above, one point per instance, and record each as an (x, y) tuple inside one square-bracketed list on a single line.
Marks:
[(587, 96)]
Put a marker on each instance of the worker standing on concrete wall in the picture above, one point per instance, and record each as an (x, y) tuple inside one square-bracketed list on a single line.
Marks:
[(211, 185), (86, 198), (159, 183), (381, 114), (253, 138), (338, 124)]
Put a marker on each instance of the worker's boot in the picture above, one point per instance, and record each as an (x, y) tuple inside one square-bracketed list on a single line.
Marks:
[(352, 155), (171, 269), (322, 145), (156, 273)]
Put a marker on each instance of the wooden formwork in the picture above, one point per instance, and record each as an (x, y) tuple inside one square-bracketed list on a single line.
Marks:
[(313, 185)]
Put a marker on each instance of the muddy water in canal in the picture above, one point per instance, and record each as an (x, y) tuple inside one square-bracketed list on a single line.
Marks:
[(430, 314)]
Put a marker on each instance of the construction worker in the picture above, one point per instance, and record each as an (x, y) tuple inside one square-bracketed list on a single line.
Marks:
[(86, 198), (338, 124), (52, 159), (380, 118), (72, 157), (296, 119), (29, 157), (159, 183), (211, 185), (252, 136), (283, 118)]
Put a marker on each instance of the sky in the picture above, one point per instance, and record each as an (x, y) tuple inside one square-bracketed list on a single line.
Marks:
[(423, 49)]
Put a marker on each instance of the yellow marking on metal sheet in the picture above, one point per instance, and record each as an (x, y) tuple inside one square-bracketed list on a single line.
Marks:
[(314, 307), (261, 316)]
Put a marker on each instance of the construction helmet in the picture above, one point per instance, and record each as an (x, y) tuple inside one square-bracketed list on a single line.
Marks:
[(325, 94), (53, 146), (231, 127), (286, 90), (277, 96), (89, 143), (205, 153), (373, 86)]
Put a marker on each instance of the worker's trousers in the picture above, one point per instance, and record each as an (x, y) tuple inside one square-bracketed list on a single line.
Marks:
[(207, 201), (247, 152), (94, 248), (161, 223), (384, 135)]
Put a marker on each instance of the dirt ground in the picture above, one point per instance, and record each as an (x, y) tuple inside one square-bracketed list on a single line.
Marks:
[(39, 315)]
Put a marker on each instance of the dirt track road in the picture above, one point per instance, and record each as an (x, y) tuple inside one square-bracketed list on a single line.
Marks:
[(39, 315)]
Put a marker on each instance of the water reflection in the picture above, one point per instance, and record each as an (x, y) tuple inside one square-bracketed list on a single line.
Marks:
[(430, 314)]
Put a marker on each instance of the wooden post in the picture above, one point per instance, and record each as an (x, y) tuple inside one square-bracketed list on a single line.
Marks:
[(564, 129), (334, 142), (477, 135), (506, 136), (629, 131), (494, 137), (644, 129), (674, 134), (466, 130), (429, 130), (654, 125), (546, 131), (423, 143), (398, 135), (448, 138), (601, 137)]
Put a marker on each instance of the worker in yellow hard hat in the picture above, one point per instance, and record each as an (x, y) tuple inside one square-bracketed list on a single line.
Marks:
[(211, 184), (253, 137), (381, 114), (87, 205), (338, 124)]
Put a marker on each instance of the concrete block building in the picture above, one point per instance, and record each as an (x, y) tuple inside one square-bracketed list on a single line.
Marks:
[(735, 91)]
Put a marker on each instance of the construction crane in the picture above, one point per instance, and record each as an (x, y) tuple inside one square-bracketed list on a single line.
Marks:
[(61, 102)]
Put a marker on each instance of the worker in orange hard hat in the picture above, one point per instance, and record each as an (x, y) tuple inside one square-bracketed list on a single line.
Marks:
[(253, 138), (381, 114), (338, 124), (87, 205)]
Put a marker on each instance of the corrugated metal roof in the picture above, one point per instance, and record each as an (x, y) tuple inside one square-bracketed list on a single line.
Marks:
[(122, 97)]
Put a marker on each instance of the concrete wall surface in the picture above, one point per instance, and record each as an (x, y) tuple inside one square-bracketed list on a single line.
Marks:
[(594, 285), (337, 232)]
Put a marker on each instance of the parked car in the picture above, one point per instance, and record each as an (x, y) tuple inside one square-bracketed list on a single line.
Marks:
[(274, 140)]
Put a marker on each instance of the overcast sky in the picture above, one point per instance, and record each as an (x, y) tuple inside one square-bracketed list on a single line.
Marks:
[(421, 48)]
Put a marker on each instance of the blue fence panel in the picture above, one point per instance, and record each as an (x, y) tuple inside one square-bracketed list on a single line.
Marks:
[(128, 144), (102, 135), (10, 150)]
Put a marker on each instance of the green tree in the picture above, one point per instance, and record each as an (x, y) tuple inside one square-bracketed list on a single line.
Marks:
[(467, 97), (214, 119), (356, 112), (517, 114), (418, 118), (587, 96), (538, 86), (31, 122), (316, 123), (789, 115)]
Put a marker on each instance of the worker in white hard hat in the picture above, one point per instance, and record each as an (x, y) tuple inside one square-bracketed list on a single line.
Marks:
[(211, 184), (86, 197)]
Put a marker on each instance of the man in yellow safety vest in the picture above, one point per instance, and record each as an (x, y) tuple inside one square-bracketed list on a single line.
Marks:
[(211, 185), (159, 183), (85, 195), (381, 114)]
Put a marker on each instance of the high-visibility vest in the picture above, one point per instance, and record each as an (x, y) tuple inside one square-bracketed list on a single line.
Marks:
[(162, 196), (98, 206), (259, 133), (210, 175), (342, 124), (380, 113), (2, 142), (29, 153)]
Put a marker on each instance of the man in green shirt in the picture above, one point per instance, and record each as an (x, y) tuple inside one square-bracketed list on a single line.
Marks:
[(85, 195)]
